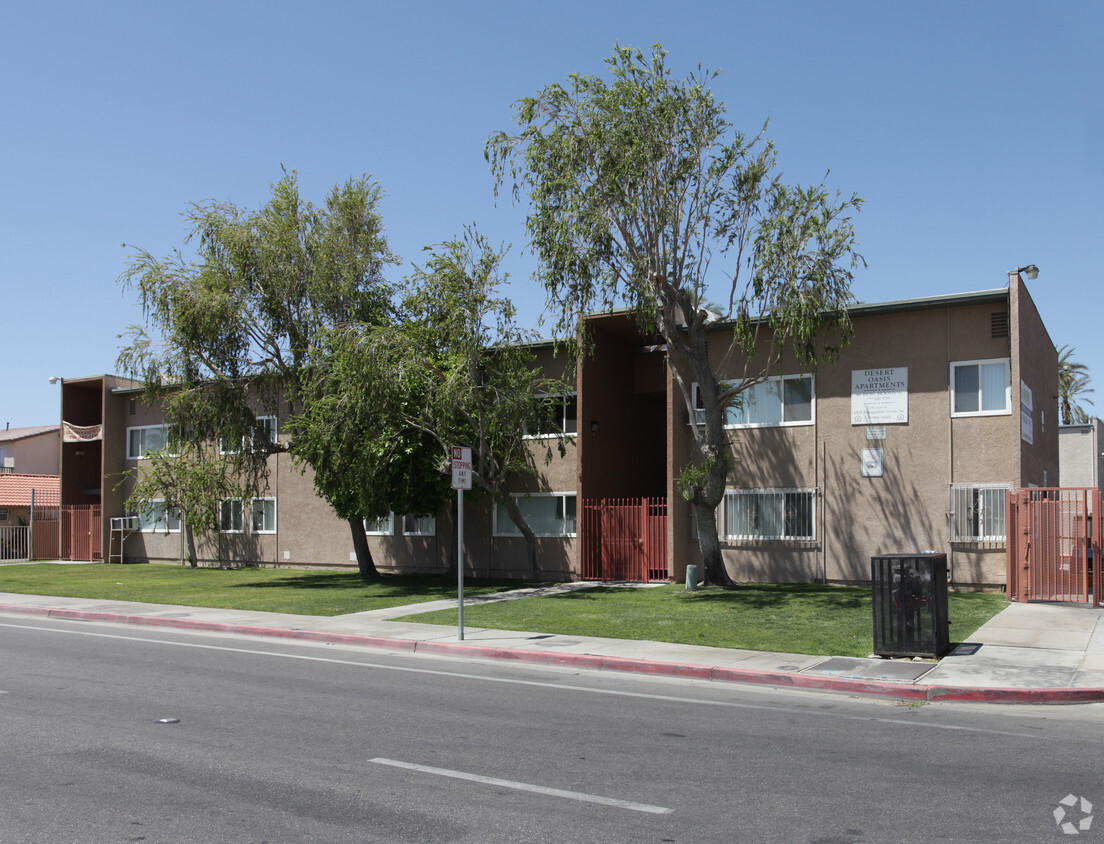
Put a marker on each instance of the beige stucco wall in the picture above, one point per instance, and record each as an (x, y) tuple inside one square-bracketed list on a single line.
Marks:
[(37, 455), (1080, 458)]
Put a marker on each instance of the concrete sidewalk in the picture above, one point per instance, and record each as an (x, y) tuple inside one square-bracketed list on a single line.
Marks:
[(1028, 653)]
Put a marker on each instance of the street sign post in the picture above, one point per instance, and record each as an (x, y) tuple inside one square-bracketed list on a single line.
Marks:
[(461, 480)]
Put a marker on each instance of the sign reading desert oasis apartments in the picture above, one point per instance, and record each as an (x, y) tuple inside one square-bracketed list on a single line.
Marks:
[(879, 396)]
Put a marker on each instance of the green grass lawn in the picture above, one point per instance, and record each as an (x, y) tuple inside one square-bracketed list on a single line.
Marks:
[(270, 590), (789, 618)]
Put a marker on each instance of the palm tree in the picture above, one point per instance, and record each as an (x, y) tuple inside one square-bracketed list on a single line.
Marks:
[(1073, 384)]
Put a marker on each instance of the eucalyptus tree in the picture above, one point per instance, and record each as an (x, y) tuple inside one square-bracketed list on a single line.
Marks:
[(641, 193), (230, 331), (455, 370), (365, 460)]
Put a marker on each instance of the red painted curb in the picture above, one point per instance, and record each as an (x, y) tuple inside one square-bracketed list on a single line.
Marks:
[(879, 688)]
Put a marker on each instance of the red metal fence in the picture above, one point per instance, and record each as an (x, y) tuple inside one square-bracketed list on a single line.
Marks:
[(1052, 543), (46, 525), (81, 537), (624, 539)]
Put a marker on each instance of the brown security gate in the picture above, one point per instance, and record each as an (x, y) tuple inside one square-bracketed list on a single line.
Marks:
[(624, 539), (1052, 543), (46, 525), (80, 532)]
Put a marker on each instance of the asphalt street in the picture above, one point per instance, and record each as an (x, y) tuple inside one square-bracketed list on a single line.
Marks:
[(274, 741)]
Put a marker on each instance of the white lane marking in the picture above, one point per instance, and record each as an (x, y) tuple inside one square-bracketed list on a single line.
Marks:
[(786, 710), (522, 786)]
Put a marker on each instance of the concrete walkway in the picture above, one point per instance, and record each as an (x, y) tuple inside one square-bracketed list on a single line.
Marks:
[(1028, 653)]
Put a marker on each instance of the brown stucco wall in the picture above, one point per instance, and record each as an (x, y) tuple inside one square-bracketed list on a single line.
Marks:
[(622, 407), (906, 508), (1035, 362), (309, 533)]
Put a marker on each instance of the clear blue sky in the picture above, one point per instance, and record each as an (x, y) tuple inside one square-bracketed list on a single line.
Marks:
[(973, 130)]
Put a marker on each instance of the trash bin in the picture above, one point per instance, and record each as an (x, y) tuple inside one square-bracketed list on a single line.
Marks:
[(910, 604)]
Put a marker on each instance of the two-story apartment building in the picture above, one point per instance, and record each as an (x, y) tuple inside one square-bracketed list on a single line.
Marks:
[(906, 442)]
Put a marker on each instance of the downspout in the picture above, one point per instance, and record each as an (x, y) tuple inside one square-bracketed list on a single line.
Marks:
[(950, 448), (821, 457)]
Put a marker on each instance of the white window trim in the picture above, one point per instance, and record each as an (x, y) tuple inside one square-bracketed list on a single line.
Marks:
[(260, 420), (722, 521), (144, 454), (389, 531), (253, 503), (783, 423), (431, 532), (1007, 411), (241, 513), (956, 492), (563, 416), (522, 495), (161, 524)]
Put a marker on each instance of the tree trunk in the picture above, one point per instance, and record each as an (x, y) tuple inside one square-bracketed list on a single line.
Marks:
[(715, 573), (365, 565), (527, 532), (189, 539)]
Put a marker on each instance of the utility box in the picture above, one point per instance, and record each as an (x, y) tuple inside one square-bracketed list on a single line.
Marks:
[(910, 604)]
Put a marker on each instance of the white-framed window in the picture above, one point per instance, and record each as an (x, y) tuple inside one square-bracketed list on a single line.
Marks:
[(981, 387), (264, 516), (548, 514), (419, 525), (145, 439), (231, 519), (384, 526), (270, 428), (558, 414), (268, 424), (156, 518), (769, 514), (978, 512), (779, 401)]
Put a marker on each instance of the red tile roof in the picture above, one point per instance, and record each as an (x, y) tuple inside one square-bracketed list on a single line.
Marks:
[(15, 490)]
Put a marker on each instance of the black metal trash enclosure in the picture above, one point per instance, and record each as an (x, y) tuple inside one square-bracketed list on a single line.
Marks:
[(910, 604)]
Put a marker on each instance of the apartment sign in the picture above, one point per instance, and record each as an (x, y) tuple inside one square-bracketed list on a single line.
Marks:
[(879, 396)]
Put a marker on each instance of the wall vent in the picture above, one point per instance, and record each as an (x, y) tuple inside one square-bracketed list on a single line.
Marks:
[(999, 324)]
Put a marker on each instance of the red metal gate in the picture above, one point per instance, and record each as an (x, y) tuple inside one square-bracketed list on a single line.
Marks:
[(46, 525), (1052, 542), (624, 539), (81, 537)]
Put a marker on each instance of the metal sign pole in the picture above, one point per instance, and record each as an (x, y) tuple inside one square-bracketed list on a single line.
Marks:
[(460, 561), (461, 480)]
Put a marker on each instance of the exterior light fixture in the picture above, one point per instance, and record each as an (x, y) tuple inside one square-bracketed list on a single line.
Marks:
[(1031, 271)]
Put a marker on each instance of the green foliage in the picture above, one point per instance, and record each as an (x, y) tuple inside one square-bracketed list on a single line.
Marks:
[(1073, 384), (636, 182), (456, 369), (229, 333), (367, 461), (191, 482), (320, 593), (643, 194), (783, 618)]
